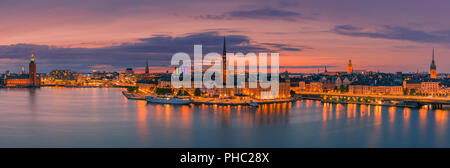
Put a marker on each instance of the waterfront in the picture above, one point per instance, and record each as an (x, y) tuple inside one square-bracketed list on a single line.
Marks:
[(103, 117)]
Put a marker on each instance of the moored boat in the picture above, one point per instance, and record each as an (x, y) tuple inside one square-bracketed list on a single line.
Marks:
[(168, 100)]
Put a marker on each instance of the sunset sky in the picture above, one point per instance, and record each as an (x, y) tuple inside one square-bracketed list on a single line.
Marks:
[(85, 35)]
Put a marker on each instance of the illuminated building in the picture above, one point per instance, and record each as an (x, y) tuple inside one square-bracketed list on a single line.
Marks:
[(349, 67), (18, 81), (429, 87), (359, 89), (433, 68), (32, 68), (387, 90), (30, 80), (147, 85)]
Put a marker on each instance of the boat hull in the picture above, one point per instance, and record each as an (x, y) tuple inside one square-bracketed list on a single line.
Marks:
[(174, 101)]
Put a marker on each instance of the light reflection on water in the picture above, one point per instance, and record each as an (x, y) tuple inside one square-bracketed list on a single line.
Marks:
[(102, 117)]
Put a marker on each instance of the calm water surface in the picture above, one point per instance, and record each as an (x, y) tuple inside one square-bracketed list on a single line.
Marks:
[(102, 117)]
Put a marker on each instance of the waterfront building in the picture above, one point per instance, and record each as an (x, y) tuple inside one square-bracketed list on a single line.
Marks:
[(18, 81), (387, 89), (412, 84), (429, 87), (315, 87), (433, 67), (34, 81), (356, 88), (24, 80), (284, 86), (349, 67), (147, 85)]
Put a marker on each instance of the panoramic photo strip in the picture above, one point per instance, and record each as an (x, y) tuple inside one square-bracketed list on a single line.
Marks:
[(236, 83)]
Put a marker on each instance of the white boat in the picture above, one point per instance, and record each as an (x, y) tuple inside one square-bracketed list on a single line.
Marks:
[(168, 100)]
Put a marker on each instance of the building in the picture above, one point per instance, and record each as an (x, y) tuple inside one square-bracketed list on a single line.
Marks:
[(18, 81), (315, 87), (129, 71), (349, 67), (147, 85), (34, 81), (164, 82), (433, 67), (429, 87), (359, 89), (412, 84), (24, 80), (387, 89)]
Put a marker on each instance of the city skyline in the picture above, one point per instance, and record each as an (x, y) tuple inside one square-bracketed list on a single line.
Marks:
[(320, 69), (308, 35)]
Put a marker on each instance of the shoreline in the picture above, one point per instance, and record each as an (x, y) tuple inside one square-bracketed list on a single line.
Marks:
[(137, 96)]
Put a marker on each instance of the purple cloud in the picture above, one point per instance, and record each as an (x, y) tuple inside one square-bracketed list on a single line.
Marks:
[(395, 33)]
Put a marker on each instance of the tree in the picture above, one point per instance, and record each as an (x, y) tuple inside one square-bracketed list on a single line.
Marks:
[(405, 91), (164, 91), (197, 92), (186, 93), (132, 89), (412, 92)]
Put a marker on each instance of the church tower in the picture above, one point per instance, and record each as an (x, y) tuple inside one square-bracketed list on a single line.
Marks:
[(350, 67), (433, 67), (32, 69)]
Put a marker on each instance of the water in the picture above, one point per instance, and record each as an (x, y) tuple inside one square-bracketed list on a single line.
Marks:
[(102, 117)]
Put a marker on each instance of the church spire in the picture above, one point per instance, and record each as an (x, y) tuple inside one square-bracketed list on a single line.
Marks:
[(433, 57), (433, 67), (433, 64), (224, 47), (146, 67)]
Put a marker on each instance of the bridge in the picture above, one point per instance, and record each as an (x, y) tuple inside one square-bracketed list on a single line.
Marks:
[(419, 101)]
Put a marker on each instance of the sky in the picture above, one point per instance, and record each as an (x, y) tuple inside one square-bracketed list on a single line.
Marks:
[(111, 35)]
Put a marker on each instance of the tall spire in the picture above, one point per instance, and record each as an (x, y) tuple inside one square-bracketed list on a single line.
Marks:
[(433, 56), (32, 57), (433, 64), (433, 67), (146, 66), (224, 46)]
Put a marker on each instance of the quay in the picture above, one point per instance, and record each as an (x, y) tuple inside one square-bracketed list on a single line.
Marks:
[(386, 100)]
